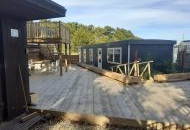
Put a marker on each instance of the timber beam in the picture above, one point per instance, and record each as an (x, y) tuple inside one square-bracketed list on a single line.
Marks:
[(102, 120), (116, 76)]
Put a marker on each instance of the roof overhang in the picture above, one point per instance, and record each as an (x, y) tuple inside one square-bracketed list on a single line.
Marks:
[(32, 9)]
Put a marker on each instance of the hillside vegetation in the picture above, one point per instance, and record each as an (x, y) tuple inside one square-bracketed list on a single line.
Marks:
[(89, 34)]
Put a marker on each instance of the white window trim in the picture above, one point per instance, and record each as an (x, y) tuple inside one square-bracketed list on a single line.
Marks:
[(79, 55), (188, 49), (84, 58), (114, 55), (91, 60)]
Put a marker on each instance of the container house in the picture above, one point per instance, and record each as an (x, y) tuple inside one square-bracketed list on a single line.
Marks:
[(14, 77), (184, 56), (106, 55)]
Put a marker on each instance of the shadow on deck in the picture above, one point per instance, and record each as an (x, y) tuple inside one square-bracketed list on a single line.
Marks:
[(82, 95)]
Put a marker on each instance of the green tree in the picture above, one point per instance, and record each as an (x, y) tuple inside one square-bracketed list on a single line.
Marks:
[(123, 34), (82, 37), (89, 34)]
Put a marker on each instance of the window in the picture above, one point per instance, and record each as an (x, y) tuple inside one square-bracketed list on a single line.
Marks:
[(84, 55), (188, 48), (79, 55), (91, 56), (110, 55), (114, 55), (117, 55)]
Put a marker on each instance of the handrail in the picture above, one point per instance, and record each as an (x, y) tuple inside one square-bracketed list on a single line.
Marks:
[(124, 64), (48, 30), (135, 69)]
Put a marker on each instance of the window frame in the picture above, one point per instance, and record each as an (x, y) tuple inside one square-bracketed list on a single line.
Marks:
[(91, 59), (113, 60), (84, 58), (188, 49), (80, 56)]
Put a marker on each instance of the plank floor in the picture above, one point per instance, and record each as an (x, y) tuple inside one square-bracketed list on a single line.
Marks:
[(82, 91)]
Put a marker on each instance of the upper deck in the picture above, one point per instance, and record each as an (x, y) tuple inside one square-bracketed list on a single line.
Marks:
[(47, 32)]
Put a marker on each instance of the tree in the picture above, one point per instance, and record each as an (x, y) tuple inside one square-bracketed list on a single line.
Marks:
[(123, 34), (82, 37), (89, 34)]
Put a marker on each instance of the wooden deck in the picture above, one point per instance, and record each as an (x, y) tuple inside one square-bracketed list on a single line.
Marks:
[(85, 92)]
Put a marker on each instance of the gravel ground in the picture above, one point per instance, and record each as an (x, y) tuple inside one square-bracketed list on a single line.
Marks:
[(61, 124)]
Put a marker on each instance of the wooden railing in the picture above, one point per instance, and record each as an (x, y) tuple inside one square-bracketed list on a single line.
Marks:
[(136, 69), (48, 30)]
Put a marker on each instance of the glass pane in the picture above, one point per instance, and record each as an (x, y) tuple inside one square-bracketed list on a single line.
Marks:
[(117, 58), (110, 55), (188, 48), (117, 55), (91, 55), (84, 55)]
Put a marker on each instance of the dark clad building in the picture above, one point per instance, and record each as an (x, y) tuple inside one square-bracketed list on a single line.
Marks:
[(184, 56), (106, 55)]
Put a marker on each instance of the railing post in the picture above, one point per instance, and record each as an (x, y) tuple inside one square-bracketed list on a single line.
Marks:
[(138, 69), (125, 68), (129, 56), (70, 49), (149, 71), (60, 29)]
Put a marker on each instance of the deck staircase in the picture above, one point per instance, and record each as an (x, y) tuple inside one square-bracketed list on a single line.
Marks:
[(49, 52)]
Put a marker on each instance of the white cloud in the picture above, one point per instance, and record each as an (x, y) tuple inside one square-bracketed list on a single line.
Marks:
[(70, 3), (130, 14)]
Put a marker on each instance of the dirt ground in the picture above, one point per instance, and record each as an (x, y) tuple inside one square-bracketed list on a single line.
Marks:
[(56, 123)]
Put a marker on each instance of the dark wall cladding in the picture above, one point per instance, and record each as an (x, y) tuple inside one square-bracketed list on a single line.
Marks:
[(1, 72), (13, 54), (160, 51)]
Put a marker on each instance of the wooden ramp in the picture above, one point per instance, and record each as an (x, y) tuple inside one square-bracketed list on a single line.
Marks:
[(15, 124), (86, 93)]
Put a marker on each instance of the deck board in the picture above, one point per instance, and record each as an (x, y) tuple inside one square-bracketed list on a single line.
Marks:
[(85, 92)]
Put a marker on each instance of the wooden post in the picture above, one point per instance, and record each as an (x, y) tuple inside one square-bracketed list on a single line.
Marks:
[(60, 52), (149, 71), (70, 49), (65, 49), (125, 68), (138, 69), (70, 54), (129, 53), (60, 59), (66, 65)]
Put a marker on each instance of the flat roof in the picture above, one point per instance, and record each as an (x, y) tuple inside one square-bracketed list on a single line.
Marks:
[(31, 9), (140, 41)]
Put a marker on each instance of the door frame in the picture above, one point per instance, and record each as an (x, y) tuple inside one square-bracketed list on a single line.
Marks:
[(91, 59), (100, 64), (84, 56), (80, 57)]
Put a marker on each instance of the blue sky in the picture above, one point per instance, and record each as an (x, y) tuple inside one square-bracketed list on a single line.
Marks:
[(149, 19)]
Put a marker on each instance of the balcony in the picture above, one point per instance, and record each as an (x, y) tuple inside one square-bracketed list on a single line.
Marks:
[(47, 32)]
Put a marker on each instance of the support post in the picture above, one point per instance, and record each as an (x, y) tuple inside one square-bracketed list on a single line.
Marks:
[(66, 65), (65, 49), (60, 59), (129, 55), (149, 71), (70, 49)]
